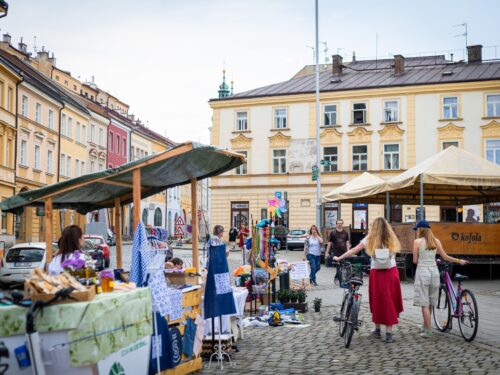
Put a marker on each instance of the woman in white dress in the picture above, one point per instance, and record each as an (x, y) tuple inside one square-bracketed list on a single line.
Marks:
[(70, 244)]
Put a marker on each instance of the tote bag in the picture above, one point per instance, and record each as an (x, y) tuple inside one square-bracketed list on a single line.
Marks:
[(382, 259)]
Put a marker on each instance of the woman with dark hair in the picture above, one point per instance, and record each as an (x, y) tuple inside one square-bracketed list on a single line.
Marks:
[(69, 244), (312, 252)]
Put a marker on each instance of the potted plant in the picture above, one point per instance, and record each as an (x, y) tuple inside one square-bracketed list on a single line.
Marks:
[(294, 296), (284, 296), (301, 294), (317, 304)]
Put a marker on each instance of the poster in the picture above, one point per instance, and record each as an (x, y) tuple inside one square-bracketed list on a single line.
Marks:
[(133, 359), (299, 270), (360, 219), (472, 214), (330, 218)]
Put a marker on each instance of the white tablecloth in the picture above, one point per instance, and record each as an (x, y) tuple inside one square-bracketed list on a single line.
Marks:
[(240, 297)]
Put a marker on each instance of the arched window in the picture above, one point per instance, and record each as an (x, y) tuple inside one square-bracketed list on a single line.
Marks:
[(145, 216), (158, 218)]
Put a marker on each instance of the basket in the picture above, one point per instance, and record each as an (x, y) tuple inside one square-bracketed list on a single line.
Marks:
[(76, 296), (345, 274)]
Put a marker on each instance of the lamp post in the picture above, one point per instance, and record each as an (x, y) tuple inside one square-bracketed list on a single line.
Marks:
[(318, 150)]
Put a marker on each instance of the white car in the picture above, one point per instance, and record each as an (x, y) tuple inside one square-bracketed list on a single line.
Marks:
[(296, 238), (20, 259)]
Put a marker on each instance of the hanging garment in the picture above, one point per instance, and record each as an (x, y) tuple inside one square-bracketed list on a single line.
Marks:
[(176, 345), (200, 334), (159, 293), (174, 297), (138, 270), (164, 343), (188, 339), (218, 292)]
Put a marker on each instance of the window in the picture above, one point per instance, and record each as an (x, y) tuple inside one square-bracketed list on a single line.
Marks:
[(49, 162), (63, 124), (92, 133), (24, 153), (280, 118), (158, 217), (77, 131), (62, 167), (241, 121), (449, 144), (82, 168), (330, 154), (242, 169), (391, 156), (391, 111), (450, 107), (493, 105), (68, 166), (493, 151), (110, 141), (92, 167), (359, 113), (279, 161), (330, 115), (24, 106), (38, 113), (84, 134), (8, 151), (51, 119), (118, 144), (359, 158), (145, 216), (9, 98), (2, 86), (124, 150), (132, 153), (101, 137), (37, 157), (101, 167), (69, 129), (77, 167)]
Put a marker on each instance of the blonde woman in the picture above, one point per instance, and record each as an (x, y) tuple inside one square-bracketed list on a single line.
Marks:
[(312, 252), (425, 248), (384, 289)]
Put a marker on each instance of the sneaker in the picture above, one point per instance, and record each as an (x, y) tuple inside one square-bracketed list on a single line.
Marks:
[(315, 283), (421, 329), (388, 338), (376, 334), (426, 334)]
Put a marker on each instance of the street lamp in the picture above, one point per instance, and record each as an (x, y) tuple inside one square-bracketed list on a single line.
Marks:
[(4, 8)]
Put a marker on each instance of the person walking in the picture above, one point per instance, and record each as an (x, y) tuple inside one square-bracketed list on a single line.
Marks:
[(312, 252), (427, 281), (338, 241), (233, 235), (243, 234), (384, 288)]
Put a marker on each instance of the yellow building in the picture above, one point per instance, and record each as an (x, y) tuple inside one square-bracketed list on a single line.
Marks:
[(9, 79), (382, 117)]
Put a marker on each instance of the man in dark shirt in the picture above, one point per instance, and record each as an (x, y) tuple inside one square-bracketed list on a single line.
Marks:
[(339, 241)]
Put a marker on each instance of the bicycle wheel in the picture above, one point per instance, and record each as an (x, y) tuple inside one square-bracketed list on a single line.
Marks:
[(352, 322), (468, 318), (442, 312), (343, 315)]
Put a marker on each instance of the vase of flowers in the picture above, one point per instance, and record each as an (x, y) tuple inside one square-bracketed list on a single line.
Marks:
[(79, 265)]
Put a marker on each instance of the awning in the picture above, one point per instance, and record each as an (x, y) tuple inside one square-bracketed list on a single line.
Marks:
[(177, 166), (365, 183)]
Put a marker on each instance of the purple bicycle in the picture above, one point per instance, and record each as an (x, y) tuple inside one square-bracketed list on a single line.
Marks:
[(459, 303)]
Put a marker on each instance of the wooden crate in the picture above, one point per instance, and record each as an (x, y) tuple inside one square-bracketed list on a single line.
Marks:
[(178, 278), (76, 296), (185, 367)]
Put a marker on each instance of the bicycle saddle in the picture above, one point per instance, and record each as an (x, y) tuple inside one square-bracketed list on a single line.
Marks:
[(459, 277), (356, 281)]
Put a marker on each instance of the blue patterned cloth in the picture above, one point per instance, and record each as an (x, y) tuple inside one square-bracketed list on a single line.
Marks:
[(137, 270)]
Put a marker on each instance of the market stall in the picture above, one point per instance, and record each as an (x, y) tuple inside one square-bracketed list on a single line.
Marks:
[(186, 163)]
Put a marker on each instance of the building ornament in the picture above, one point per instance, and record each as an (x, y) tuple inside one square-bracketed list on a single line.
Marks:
[(330, 136), (279, 140), (360, 134), (451, 131), (391, 132), (241, 141), (491, 129)]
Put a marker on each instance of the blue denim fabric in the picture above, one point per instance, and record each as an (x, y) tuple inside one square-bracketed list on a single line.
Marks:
[(315, 264)]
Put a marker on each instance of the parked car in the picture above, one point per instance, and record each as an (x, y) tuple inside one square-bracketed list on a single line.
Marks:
[(21, 259), (111, 239), (296, 238), (100, 243), (95, 252)]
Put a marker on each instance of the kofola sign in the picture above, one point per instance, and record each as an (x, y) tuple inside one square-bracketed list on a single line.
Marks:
[(466, 237)]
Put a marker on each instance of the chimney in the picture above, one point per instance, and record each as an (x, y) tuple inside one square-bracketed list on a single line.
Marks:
[(52, 59), (354, 57), (399, 64), (475, 53), (22, 46), (131, 117), (7, 38), (42, 55), (336, 64)]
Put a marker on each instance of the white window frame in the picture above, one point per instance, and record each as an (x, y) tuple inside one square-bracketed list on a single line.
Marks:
[(64, 123), (110, 141), (37, 160), (38, 113), (327, 115), (62, 167), (495, 106), (359, 157), (101, 167), (84, 133), (78, 128), (24, 106), (493, 150), (391, 114), (364, 111), (101, 137), (68, 166), (450, 107), (77, 167), (24, 153), (241, 121), (49, 161), (332, 158), (92, 133), (280, 118), (69, 128), (243, 168), (10, 98), (391, 155), (51, 119), (277, 162), (82, 168), (92, 166)]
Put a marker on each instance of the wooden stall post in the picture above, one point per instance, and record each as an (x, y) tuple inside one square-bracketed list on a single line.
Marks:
[(136, 197), (194, 221), (48, 230), (118, 230)]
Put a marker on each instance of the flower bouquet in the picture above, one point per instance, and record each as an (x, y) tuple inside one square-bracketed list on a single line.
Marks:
[(79, 265)]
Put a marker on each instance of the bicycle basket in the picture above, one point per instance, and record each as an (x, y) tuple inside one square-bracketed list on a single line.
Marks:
[(345, 274)]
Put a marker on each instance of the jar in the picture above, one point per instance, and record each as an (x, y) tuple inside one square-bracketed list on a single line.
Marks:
[(107, 281)]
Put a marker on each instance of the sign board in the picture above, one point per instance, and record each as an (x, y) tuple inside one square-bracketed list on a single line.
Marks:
[(178, 231), (277, 194), (133, 359), (179, 221), (299, 270)]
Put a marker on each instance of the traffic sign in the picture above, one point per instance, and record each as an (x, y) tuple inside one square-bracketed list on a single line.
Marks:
[(325, 162), (315, 173), (179, 221), (179, 232)]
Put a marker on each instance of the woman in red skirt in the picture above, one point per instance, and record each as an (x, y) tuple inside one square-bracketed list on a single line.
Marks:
[(384, 288)]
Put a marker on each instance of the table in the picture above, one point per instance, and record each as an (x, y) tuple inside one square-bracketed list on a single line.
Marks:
[(240, 296)]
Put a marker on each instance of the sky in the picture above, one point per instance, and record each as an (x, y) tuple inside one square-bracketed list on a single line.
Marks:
[(165, 58)]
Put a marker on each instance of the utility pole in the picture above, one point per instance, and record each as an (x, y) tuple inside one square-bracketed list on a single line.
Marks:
[(318, 150)]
